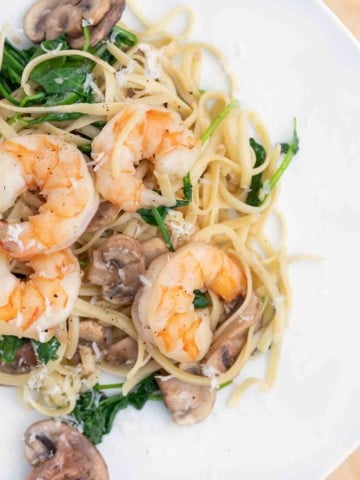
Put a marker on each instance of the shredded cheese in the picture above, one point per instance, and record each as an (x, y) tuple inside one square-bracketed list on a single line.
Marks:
[(145, 281)]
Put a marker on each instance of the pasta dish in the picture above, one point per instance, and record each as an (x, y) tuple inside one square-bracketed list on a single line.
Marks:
[(133, 212)]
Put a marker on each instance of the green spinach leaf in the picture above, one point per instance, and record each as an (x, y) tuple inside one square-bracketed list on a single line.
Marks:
[(256, 182), (46, 351), (156, 215), (120, 37), (201, 300), (52, 117), (96, 412), (9, 345)]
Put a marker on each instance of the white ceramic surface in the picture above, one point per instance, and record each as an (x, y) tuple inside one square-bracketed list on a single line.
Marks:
[(292, 59)]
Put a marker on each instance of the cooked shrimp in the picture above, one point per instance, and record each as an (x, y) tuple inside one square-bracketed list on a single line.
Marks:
[(138, 133), (163, 310), (32, 308), (59, 171)]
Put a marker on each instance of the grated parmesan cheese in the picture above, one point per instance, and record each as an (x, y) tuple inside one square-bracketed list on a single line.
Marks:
[(121, 75), (37, 377), (93, 300), (210, 372), (87, 22), (266, 187), (152, 67), (99, 161), (278, 300), (98, 354), (145, 281), (165, 378), (14, 232), (41, 333), (90, 84), (182, 229), (57, 49)]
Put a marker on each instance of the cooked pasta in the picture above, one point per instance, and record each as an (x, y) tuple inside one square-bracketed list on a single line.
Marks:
[(156, 85)]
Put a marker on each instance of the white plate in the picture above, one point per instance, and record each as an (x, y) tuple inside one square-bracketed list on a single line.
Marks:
[(292, 59)]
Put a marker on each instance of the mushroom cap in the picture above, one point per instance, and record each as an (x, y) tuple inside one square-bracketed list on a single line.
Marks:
[(94, 10), (116, 266), (105, 214), (35, 18), (227, 346), (153, 248), (25, 359), (122, 352), (46, 19), (188, 404), (91, 331), (103, 28), (57, 451), (64, 18)]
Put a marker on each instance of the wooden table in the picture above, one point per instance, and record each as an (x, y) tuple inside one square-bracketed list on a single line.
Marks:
[(349, 12)]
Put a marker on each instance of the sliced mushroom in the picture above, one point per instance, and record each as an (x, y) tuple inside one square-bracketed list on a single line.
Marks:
[(105, 214), (153, 248), (25, 360), (92, 331), (123, 352), (46, 19), (227, 346), (35, 18), (94, 10), (116, 266), (103, 28), (58, 451), (188, 404), (63, 18)]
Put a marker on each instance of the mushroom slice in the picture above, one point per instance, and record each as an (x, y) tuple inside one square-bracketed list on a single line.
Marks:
[(94, 10), (35, 18), (46, 19), (105, 214), (25, 360), (116, 266), (103, 28), (64, 18), (92, 331), (57, 451), (123, 352), (188, 404), (227, 346), (153, 248)]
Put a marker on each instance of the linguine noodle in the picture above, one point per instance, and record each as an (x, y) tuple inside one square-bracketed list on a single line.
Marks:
[(221, 179)]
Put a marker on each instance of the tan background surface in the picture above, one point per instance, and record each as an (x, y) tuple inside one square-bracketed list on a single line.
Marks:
[(349, 12)]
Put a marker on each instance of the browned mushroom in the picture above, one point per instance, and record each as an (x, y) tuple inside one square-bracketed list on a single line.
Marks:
[(35, 18), (91, 331), (116, 266), (25, 360), (227, 346), (103, 28), (153, 248), (46, 19), (105, 214), (94, 10), (123, 352), (63, 18), (57, 451), (188, 404)]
